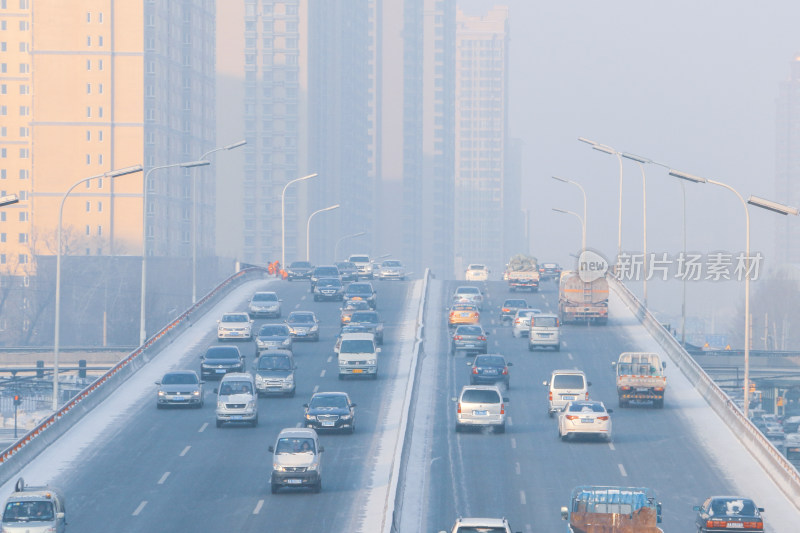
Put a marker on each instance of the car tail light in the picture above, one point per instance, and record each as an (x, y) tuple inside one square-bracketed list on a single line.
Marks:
[(506, 309), (517, 321), (571, 417), (659, 389), (481, 338), (754, 525), (474, 369), (602, 418), (587, 395), (505, 370), (502, 408), (551, 396), (625, 388), (452, 314), (457, 337), (459, 408)]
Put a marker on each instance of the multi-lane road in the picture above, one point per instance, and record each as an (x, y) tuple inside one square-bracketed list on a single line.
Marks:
[(130, 467)]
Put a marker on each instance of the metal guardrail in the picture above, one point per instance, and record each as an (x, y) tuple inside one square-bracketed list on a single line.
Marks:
[(780, 470), (393, 504), (15, 456)]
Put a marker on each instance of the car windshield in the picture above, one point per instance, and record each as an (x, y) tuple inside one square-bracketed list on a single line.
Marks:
[(515, 303), (329, 283), (235, 387), (29, 511), (469, 330), (235, 318), (480, 396), (568, 381), (356, 304), (295, 445), (300, 264), (179, 379), (357, 346), (304, 318), (359, 259), (274, 362), (354, 328), (480, 529), (391, 264), (222, 352), (273, 330), (365, 316), (464, 308), (545, 321), (265, 297), (467, 290), (359, 288), (345, 266), (586, 408), (335, 402), (476, 267), (490, 360), (326, 272)]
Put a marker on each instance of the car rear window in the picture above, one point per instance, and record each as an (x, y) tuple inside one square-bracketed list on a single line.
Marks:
[(365, 316), (480, 396), (544, 321), (467, 290), (275, 330), (490, 360), (470, 529), (274, 362), (468, 330), (578, 407), (357, 346), (515, 303), (359, 259), (568, 381)]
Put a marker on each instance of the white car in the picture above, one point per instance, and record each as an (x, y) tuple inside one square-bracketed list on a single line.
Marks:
[(363, 264), (585, 417), (235, 326), (469, 294), (264, 303), (477, 272), (481, 405), (521, 323), (471, 525), (391, 269)]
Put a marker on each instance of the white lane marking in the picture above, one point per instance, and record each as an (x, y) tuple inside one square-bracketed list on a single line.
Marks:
[(139, 509), (322, 374), (163, 478), (259, 505), (513, 442), (522, 499), (185, 451), (528, 528), (316, 388), (517, 468), (569, 355), (298, 425), (330, 358), (611, 445), (509, 421), (203, 427), (564, 344), (622, 470)]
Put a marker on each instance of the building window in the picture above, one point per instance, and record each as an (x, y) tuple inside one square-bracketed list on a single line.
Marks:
[(88, 88), (88, 232), (2, 237), (24, 153), (99, 230), (99, 159), (2, 131), (88, 204), (88, 251), (23, 238), (99, 40), (88, 64), (23, 260), (23, 173), (88, 135), (24, 89), (88, 159), (24, 131), (23, 216), (89, 16), (100, 17), (88, 40), (100, 135), (99, 183), (3, 68), (3, 110), (3, 262), (99, 64), (99, 111), (24, 111), (99, 207), (100, 88), (24, 68), (3, 89), (88, 112)]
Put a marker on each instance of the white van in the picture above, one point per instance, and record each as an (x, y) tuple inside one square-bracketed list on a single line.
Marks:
[(34, 510), (358, 355), (296, 460), (544, 332), (565, 386), (237, 399)]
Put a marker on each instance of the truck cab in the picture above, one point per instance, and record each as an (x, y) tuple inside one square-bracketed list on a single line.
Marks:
[(640, 378)]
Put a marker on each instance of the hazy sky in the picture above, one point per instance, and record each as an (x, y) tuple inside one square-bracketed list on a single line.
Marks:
[(689, 83)]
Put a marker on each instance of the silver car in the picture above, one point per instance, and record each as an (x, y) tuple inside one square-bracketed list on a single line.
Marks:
[(237, 400), (34, 510), (235, 326), (181, 387), (481, 405), (264, 303), (274, 337), (469, 339), (274, 371), (392, 269), (521, 323)]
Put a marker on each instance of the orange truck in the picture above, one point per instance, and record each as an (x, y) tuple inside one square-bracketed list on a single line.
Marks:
[(522, 273), (582, 301), (640, 378), (605, 509)]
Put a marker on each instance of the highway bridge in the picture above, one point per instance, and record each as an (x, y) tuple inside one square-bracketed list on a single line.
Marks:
[(126, 466)]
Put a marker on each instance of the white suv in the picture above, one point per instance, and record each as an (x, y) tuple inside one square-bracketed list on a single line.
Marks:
[(481, 405), (358, 355), (237, 400), (296, 460), (363, 264), (488, 525), (565, 386), (469, 294)]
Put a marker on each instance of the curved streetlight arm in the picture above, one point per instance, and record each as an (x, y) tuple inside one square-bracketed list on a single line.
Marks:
[(608, 150), (57, 318), (283, 214), (576, 215), (583, 192), (308, 227), (338, 242)]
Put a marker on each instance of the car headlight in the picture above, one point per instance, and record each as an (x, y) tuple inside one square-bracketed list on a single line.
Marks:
[(313, 467), (287, 341), (289, 379), (161, 393), (278, 468), (220, 405), (314, 328), (259, 378), (371, 361), (310, 417), (195, 393), (346, 417), (251, 404)]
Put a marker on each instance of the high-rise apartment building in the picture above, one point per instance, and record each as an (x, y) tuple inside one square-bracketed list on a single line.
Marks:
[(787, 164), (481, 137), (89, 86)]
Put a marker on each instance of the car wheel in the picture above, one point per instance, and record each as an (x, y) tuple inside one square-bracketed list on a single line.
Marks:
[(274, 488), (659, 404), (515, 334), (458, 428), (471, 381), (622, 403), (558, 347), (317, 487), (316, 337), (341, 376), (375, 375), (550, 413), (255, 421), (530, 347), (352, 428), (291, 394), (316, 298), (564, 437), (508, 384), (219, 423), (501, 428)]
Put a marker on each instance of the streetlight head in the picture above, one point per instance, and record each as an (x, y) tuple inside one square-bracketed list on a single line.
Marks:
[(190, 164), (604, 148), (559, 210), (9, 199), (124, 171), (772, 206), (687, 177), (235, 145), (560, 179), (587, 141), (636, 158)]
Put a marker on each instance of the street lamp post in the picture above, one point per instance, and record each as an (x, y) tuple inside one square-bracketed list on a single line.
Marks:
[(576, 215), (194, 215), (57, 334), (583, 192), (352, 236), (283, 215), (308, 227), (764, 204), (641, 161), (608, 150), (185, 164)]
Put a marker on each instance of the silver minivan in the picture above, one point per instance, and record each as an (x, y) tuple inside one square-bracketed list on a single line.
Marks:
[(296, 460), (565, 386), (34, 510), (481, 405), (544, 332), (237, 400)]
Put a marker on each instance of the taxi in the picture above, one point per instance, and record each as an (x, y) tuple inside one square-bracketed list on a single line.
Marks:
[(350, 307), (463, 313)]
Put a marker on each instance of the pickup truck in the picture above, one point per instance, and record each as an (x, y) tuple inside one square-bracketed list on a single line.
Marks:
[(522, 272), (601, 509), (640, 377)]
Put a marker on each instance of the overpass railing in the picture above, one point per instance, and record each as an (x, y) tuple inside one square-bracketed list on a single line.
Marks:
[(15, 456), (766, 454)]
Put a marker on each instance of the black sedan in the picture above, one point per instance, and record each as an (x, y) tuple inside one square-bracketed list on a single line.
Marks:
[(371, 321), (489, 369), (219, 360), (330, 289), (510, 308), (330, 410), (299, 270), (347, 271), (724, 513), (362, 290)]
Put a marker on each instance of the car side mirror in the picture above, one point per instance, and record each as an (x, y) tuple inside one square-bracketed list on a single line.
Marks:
[(158, 383), (609, 411), (544, 383), (280, 300), (352, 405), (613, 364), (216, 391), (202, 382), (663, 365), (696, 508), (305, 405), (469, 363), (271, 448), (454, 399), (506, 400), (377, 350), (564, 513), (509, 363), (321, 449), (217, 321), (760, 509), (588, 383)]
